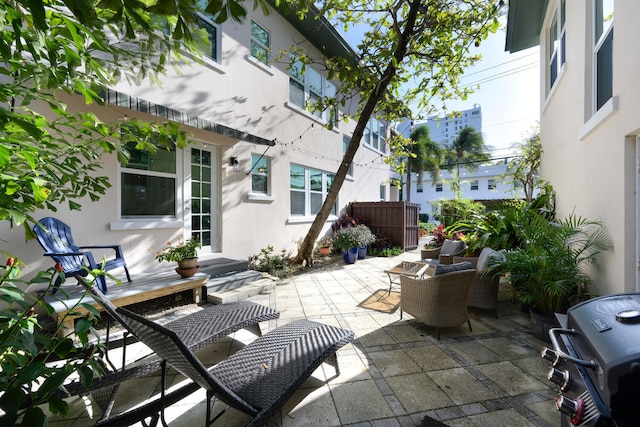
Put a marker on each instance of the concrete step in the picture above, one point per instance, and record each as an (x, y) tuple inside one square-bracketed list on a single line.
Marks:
[(220, 266), (236, 289)]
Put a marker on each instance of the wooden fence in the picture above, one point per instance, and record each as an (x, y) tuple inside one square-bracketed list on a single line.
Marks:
[(398, 221)]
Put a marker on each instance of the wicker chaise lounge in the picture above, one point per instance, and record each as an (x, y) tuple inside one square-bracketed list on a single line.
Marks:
[(196, 330), (260, 377)]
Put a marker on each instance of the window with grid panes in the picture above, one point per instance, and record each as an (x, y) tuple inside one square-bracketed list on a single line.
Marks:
[(260, 43), (307, 87), (557, 42), (603, 52), (308, 189), (148, 184), (259, 174)]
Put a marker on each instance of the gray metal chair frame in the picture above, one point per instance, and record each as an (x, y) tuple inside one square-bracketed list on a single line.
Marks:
[(196, 330), (260, 377)]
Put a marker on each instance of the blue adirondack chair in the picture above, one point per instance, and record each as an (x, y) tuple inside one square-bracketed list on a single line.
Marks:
[(56, 240)]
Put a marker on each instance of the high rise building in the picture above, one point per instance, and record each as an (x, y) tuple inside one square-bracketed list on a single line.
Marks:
[(445, 129)]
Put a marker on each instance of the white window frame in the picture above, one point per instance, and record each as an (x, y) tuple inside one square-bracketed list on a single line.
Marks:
[(601, 38), (475, 185), (439, 187), (375, 135), (308, 192), (556, 46), (256, 171), (124, 169), (346, 140), (491, 185), (215, 57), (302, 74), (258, 43)]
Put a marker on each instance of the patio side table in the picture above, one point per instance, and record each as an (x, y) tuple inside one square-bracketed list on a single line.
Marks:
[(406, 268)]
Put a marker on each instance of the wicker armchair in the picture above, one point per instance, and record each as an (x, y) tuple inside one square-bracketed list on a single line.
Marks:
[(439, 301), (445, 253), (449, 249), (484, 290)]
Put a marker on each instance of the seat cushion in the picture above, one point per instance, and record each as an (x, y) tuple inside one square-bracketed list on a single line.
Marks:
[(450, 268), (451, 247), (485, 258)]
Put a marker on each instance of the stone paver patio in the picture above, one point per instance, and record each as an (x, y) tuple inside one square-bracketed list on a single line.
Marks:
[(394, 374)]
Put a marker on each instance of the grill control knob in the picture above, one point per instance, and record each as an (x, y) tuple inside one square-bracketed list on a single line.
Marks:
[(574, 409), (550, 355), (559, 377)]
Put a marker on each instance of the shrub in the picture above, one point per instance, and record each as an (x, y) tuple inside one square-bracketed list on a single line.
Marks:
[(354, 237), (365, 236), (347, 237), (27, 378), (387, 252), (267, 262)]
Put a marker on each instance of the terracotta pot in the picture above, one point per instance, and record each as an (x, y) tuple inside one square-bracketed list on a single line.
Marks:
[(324, 251), (187, 272), (188, 263)]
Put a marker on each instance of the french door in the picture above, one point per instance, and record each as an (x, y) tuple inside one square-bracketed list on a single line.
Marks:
[(204, 206)]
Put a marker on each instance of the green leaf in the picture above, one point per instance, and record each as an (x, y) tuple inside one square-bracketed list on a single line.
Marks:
[(53, 383), (12, 400), (34, 417), (58, 406), (83, 325), (64, 347), (86, 375)]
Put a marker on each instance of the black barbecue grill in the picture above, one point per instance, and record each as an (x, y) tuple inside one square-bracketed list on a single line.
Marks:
[(596, 362)]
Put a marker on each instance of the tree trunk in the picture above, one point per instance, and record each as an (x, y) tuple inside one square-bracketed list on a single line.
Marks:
[(305, 251)]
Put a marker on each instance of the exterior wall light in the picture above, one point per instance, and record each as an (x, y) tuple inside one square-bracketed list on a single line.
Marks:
[(235, 164)]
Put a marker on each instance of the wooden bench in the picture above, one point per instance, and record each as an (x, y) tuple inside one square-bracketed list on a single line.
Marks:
[(143, 287)]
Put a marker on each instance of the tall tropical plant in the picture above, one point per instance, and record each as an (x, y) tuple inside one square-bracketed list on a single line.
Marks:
[(425, 155), (550, 271), (524, 169), (468, 150), (499, 227)]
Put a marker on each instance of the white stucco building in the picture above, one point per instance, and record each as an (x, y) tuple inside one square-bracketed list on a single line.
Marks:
[(486, 182), (259, 165), (589, 121)]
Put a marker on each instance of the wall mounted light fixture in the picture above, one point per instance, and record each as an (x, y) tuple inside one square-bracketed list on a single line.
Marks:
[(234, 163)]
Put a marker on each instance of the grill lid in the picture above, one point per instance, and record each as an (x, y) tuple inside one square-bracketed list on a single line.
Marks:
[(608, 332)]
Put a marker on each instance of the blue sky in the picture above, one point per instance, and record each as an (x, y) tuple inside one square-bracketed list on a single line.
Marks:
[(509, 91)]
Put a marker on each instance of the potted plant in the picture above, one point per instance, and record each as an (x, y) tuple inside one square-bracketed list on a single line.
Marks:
[(549, 271), (324, 245), (365, 238), (185, 254), (431, 249), (348, 240)]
